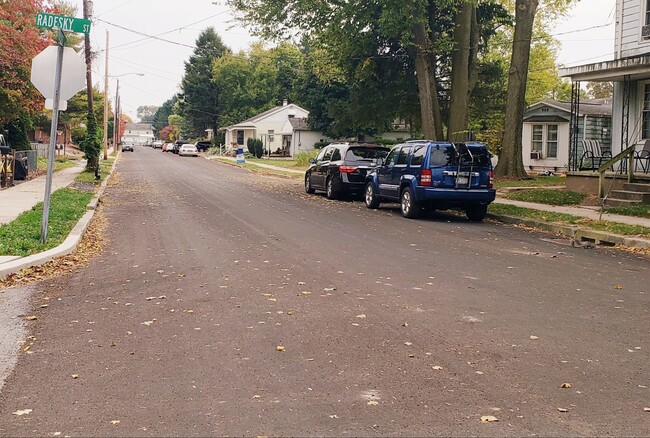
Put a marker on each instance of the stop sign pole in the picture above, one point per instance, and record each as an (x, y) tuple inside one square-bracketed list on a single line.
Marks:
[(67, 24), (55, 124)]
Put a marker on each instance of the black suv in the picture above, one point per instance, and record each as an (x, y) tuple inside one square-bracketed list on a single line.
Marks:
[(203, 146), (341, 168), (424, 175), (178, 144)]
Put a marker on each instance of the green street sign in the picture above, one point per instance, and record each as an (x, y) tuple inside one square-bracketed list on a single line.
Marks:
[(66, 24)]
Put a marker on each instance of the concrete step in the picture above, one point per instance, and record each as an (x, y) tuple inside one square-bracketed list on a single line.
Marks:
[(613, 202), (643, 197), (637, 187)]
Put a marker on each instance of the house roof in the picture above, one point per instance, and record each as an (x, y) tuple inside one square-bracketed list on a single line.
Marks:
[(299, 123), (139, 126), (249, 122), (588, 107), (637, 67)]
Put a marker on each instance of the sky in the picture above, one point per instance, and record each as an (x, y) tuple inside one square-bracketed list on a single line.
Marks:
[(586, 36)]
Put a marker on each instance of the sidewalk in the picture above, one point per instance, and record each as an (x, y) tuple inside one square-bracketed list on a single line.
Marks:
[(22, 197)]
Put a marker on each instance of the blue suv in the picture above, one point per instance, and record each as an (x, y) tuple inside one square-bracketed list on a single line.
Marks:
[(431, 175)]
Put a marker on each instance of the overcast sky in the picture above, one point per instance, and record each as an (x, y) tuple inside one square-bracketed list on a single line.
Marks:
[(181, 21)]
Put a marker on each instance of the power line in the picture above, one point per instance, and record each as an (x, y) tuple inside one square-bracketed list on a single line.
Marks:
[(146, 35)]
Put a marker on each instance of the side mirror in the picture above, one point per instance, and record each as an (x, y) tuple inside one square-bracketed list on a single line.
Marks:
[(312, 161)]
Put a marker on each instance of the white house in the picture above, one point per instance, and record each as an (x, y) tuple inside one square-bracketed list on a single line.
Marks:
[(545, 138), (630, 73), (283, 130), (138, 133)]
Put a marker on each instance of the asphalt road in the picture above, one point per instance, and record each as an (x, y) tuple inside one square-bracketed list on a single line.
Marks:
[(390, 327)]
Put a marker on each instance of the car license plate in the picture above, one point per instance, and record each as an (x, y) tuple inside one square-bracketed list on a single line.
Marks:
[(462, 180)]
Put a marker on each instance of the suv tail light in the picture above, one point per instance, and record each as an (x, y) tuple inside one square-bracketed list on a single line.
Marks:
[(491, 183), (347, 169), (425, 177)]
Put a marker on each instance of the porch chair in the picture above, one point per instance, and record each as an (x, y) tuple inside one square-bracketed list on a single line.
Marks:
[(594, 154), (644, 156)]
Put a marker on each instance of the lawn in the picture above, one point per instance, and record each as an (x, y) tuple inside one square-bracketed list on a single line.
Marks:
[(548, 196), (637, 210), (538, 181), (21, 237), (567, 219), (59, 163)]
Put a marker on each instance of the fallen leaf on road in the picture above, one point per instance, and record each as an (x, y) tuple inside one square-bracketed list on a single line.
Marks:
[(147, 323), (566, 385), (373, 403), (406, 324), (190, 311), (361, 316), (75, 376), (408, 344), (329, 289), (150, 298), (280, 348), (534, 338), (23, 412), (305, 292), (489, 419), (618, 286), (160, 271), (334, 416), (256, 397), (437, 367), (31, 318), (301, 283), (115, 421), (646, 409), (563, 409)]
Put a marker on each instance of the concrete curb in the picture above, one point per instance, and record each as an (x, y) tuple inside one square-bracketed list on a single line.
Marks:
[(68, 245), (289, 173), (576, 233)]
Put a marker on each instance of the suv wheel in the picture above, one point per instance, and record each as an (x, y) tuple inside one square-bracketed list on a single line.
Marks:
[(410, 208), (372, 200), (476, 212), (330, 193), (308, 188)]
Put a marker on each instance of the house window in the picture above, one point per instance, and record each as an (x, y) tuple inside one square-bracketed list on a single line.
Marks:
[(271, 132), (538, 137), (545, 138), (646, 112), (240, 137)]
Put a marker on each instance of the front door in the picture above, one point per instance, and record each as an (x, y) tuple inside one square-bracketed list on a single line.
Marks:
[(322, 165), (385, 175)]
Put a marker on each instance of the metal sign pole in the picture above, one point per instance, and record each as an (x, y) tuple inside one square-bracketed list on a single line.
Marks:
[(55, 123)]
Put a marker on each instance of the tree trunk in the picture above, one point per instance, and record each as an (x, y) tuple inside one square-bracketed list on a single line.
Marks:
[(460, 72), (426, 90), (510, 161)]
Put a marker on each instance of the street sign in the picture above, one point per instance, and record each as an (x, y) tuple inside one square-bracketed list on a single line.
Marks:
[(66, 24), (73, 75)]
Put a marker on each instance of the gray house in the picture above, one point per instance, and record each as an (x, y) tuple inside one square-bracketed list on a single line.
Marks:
[(630, 73), (545, 137)]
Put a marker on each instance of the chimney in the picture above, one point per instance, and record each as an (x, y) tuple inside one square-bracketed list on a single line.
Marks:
[(285, 102)]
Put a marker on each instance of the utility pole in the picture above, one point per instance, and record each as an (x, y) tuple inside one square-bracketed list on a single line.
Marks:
[(116, 129), (106, 103), (87, 5)]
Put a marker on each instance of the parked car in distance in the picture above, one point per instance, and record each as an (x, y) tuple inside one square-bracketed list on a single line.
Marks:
[(127, 147), (430, 175), (188, 150), (157, 144), (341, 168), (178, 144), (203, 146), (167, 147)]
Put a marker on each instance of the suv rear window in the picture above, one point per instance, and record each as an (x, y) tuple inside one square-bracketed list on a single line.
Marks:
[(365, 154), (449, 156)]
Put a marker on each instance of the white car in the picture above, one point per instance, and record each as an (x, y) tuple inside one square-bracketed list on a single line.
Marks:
[(188, 150)]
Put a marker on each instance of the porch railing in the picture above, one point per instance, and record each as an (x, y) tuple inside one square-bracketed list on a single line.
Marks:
[(629, 152)]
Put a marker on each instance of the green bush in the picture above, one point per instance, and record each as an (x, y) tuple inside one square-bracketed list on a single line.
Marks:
[(386, 141), (255, 147), (302, 158)]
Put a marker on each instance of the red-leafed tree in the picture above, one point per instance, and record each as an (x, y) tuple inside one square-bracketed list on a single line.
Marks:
[(166, 133), (20, 41)]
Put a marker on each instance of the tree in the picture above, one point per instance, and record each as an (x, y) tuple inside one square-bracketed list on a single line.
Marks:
[(600, 90), (147, 113), (199, 96), (510, 161), (20, 41), (160, 119), (166, 133)]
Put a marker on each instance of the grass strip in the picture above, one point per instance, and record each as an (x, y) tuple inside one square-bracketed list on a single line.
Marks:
[(21, 237), (88, 176), (252, 166), (548, 196), (567, 219)]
